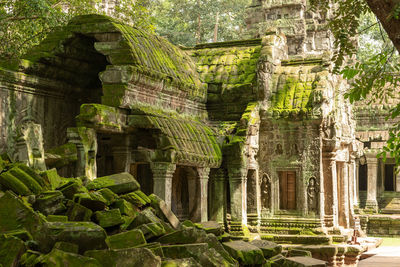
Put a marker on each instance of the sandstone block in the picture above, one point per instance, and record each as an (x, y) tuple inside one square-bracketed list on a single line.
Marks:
[(268, 248), (128, 239), (109, 218), (244, 252), (61, 258), (304, 262), (118, 183), (125, 257), (86, 235)]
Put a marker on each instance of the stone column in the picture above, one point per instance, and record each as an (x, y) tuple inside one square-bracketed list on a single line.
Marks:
[(122, 153), (330, 188), (398, 182), (357, 183), (345, 196), (162, 180), (85, 140), (237, 186), (372, 165), (203, 176), (352, 182), (217, 204)]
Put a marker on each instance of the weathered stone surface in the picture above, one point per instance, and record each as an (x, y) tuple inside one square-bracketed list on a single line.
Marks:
[(244, 252), (189, 262), (50, 202), (212, 227), (67, 247), (118, 183), (57, 218), (152, 230), (26, 179), (164, 210), (304, 262), (276, 261), (299, 253), (109, 218), (86, 235), (128, 239), (77, 212), (137, 198), (92, 201), (186, 235), (16, 214), (200, 252), (59, 258), (11, 250), (71, 188), (125, 207), (155, 247), (125, 257), (147, 216), (268, 248)]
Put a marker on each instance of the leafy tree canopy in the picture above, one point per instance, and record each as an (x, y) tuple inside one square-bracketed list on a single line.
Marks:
[(24, 23), (372, 64), (187, 22)]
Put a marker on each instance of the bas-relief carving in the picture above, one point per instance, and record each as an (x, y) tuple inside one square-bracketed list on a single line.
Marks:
[(312, 195), (265, 191)]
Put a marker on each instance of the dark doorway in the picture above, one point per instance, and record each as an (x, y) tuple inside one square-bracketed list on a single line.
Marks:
[(362, 177), (287, 190), (143, 174), (390, 182)]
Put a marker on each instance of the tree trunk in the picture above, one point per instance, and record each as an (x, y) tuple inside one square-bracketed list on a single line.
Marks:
[(384, 11), (216, 28), (198, 30)]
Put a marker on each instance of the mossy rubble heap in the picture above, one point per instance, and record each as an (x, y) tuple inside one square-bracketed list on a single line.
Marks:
[(48, 220)]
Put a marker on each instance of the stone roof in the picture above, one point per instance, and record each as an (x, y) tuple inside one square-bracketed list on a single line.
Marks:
[(192, 142), (230, 70), (124, 45)]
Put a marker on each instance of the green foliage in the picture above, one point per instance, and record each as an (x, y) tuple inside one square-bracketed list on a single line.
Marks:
[(188, 22), (374, 76), (24, 23)]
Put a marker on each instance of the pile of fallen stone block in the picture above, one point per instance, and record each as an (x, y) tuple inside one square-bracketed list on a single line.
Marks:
[(48, 220)]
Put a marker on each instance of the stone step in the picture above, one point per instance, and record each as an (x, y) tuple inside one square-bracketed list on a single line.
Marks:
[(299, 239)]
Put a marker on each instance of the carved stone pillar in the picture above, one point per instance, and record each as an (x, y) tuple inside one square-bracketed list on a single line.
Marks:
[(330, 188), (203, 176), (162, 180), (237, 186), (30, 145), (344, 211), (372, 165), (85, 140), (357, 182), (217, 204), (352, 182), (198, 193)]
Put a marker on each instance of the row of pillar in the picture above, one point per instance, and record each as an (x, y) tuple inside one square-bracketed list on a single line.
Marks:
[(338, 190)]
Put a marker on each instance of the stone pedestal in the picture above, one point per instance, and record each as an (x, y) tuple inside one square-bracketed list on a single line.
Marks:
[(162, 180), (237, 186), (372, 164)]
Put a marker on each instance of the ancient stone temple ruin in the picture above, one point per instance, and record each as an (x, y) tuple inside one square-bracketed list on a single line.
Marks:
[(254, 134)]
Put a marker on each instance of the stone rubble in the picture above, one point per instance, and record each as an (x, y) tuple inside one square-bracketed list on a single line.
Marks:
[(48, 220)]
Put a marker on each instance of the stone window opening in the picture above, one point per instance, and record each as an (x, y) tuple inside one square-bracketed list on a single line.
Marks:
[(390, 177), (363, 177), (287, 190)]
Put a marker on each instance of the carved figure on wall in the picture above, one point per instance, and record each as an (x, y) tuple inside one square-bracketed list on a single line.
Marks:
[(265, 191), (312, 194), (279, 150), (295, 150)]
